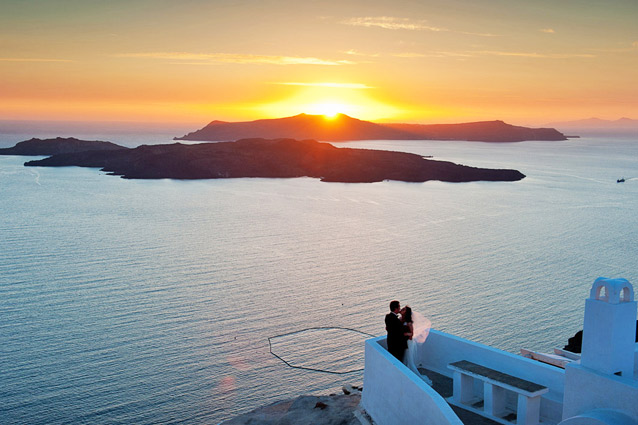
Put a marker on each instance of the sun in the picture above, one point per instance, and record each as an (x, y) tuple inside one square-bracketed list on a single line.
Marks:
[(328, 102), (328, 110)]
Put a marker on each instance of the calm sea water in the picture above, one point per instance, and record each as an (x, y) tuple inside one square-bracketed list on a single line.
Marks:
[(125, 301)]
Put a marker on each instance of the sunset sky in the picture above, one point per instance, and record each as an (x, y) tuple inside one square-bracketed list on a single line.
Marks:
[(527, 62)]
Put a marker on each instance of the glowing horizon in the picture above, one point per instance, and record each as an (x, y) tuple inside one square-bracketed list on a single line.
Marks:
[(405, 62)]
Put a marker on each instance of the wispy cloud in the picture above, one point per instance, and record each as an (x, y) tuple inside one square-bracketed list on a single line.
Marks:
[(33, 60), (395, 23), (547, 30), (480, 34), (410, 55), (434, 55), (537, 55), (333, 85), (353, 52), (391, 23), (203, 59), (471, 54)]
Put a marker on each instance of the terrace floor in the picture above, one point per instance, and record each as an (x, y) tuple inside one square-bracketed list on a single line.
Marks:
[(443, 385)]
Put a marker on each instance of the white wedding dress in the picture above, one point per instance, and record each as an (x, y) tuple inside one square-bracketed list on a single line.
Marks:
[(421, 328)]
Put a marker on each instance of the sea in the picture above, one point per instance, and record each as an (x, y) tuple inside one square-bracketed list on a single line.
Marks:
[(189, 302)]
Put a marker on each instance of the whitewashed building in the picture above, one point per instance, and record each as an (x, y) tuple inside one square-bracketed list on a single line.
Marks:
[(599, 387)]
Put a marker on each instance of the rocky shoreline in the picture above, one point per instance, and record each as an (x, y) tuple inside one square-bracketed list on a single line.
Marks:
[(333, 409)]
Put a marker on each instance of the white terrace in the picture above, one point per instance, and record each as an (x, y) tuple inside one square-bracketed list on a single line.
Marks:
[(599, 389)]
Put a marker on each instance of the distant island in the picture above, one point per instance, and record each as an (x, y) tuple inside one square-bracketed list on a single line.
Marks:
[(279, 158), (345, 128), (42, 147)]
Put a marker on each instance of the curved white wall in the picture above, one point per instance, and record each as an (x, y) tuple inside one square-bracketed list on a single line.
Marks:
[(394, 395)]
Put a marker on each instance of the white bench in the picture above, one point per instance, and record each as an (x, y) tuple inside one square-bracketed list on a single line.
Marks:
[(495, 387)]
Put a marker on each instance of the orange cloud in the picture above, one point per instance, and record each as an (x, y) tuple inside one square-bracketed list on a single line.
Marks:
[(434, 55), (356, 53), (238, 58)]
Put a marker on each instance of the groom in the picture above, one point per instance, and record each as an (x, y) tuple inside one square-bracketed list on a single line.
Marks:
[(397, 341)]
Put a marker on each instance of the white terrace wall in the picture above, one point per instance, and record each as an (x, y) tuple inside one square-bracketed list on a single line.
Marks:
[(393, 395), (590, 390), (441, 349), (391, 391)]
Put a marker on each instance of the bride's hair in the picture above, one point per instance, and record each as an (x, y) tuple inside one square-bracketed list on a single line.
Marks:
[(407, 317)]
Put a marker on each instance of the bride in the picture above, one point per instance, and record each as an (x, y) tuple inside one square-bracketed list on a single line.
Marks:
[(417, 328)]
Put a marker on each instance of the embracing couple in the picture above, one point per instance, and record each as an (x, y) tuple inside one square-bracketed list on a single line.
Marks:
[(406, 329)]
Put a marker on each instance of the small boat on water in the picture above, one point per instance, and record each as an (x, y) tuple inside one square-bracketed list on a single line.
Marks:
[(620, 180)]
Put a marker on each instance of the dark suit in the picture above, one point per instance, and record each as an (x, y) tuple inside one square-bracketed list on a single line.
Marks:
[(397, 342)]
